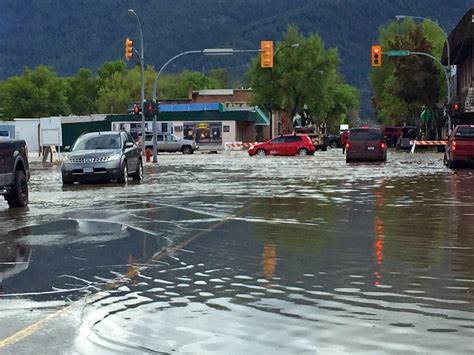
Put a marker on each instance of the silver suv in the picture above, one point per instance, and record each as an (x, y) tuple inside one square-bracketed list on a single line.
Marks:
[(167, 142)]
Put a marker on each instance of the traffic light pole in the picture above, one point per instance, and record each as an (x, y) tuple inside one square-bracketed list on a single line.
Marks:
[(142, 70), (155, 98), (211, 51)]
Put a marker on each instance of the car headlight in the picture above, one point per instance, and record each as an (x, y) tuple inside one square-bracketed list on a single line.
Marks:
[(113, 157)]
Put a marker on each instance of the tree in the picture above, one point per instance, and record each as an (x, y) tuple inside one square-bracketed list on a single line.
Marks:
[(108, 69), (404, 84), (177, 86), (82, 92), (36, 93), (222, 76), (114, 95), (307, 75)]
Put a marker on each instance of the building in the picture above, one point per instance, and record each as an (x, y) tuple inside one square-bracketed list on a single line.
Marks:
[(210, 117), (461, 42), (210, 125)]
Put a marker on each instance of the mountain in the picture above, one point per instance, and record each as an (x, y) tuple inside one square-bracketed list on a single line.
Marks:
[(84, 33)]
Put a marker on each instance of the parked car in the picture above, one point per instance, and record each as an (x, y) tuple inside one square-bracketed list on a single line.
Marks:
[(391, 134), (408, 134), (14, 172), (166, 142), (365, 144), (460, 147), (102, 156), (320, 141), (294, 144), (334, 141)]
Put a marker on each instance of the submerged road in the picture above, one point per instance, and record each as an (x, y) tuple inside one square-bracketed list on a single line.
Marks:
[(231, 254)]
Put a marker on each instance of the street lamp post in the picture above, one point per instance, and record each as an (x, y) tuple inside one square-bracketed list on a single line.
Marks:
[(294, 46), (207, 51), (142, 70), (448, 68)]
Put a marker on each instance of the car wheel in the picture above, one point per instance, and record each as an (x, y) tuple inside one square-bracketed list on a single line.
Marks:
[(67, 181), (261, 152), (333, 144), (138, 175), (302, 152), (18, 196), (325, 148), (187, 150), (451, 164), (123, 174)]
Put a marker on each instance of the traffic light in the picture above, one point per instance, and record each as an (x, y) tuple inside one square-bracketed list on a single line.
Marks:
[(150, 108), (136, 109), (376, 56), (456, 107), (128, 49), (266, 55)]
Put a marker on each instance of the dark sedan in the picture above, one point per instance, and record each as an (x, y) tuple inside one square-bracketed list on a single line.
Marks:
[(102, 156)]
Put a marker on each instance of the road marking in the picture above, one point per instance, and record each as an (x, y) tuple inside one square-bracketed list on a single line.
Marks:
[(27, 331), (33, 328)]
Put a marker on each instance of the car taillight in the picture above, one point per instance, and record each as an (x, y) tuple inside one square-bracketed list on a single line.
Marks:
[(382, 145), (348, 146), (454, 146)]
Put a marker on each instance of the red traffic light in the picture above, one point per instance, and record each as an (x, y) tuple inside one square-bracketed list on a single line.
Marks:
[(456, 107), (136, 109), (376, 56)]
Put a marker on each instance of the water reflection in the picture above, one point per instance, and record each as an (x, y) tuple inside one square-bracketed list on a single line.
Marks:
[(14, 256), (376, 260)]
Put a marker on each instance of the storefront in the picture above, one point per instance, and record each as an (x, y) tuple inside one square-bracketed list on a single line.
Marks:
[(203, 132)]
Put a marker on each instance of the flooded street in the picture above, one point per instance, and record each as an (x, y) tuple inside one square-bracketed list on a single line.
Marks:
[(231, 254)]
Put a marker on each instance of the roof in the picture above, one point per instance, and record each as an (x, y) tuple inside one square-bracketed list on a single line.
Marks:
[(256, 116), (216, 92), (461, 39)]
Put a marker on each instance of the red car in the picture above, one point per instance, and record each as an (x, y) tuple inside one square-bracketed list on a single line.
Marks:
[(460, 147), (366, 144), (294, 144)]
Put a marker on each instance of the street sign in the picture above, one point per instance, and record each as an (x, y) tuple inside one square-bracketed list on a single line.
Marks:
[(397, 53)]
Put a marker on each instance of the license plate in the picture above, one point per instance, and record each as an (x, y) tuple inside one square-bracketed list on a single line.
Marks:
[(88, 170), (370, 148)]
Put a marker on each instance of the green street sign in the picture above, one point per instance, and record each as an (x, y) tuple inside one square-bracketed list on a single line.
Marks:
[(398, 53)]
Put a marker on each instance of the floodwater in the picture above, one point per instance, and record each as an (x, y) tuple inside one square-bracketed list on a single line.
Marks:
[(231, 254)]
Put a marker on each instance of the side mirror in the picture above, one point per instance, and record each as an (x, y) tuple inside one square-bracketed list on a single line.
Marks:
[(128, 145), (67, 148)]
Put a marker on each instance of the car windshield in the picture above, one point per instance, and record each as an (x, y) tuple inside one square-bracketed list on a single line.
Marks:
[(360, 135), (465, 132), (97, 142)]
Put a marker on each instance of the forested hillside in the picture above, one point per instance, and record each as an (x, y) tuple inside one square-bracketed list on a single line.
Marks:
[(68, 35)]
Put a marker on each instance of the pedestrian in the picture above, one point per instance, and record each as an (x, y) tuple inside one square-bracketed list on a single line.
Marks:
[(344, 139)]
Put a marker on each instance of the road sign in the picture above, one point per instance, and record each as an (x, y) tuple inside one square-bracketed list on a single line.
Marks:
[(397, 53)]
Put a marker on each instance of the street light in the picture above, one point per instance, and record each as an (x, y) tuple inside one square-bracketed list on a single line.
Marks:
[(448, 49), (292, 46), (142, 70), (208, 52)]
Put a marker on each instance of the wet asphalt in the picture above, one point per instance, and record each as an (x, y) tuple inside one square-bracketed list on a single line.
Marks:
[(231, 254)]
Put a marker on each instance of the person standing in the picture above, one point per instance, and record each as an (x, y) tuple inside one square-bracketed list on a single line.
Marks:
[(344, 139)]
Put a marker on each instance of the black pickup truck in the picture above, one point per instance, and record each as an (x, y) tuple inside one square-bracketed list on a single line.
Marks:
[(14, 172)]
